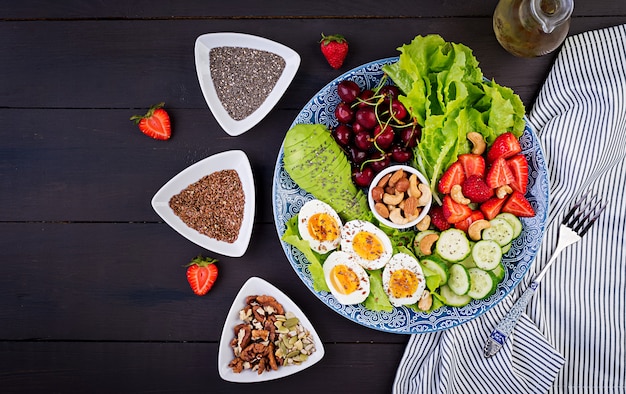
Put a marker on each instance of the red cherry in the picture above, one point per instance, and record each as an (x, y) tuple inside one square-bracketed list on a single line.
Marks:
[(401, 154), (366, 117), (348, 91), (383, 136), (363, 177), (365, 98), (363, 140), (344, 113)]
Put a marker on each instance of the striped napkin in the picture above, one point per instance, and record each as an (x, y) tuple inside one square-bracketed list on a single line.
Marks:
[(572, 337)]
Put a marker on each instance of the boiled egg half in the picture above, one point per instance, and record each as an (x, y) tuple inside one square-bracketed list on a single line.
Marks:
[(368, 244), (319, 224), (403, 280), (347, 280)]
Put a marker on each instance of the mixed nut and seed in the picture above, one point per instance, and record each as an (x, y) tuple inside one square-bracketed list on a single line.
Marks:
[(269, 337), (400, 197)]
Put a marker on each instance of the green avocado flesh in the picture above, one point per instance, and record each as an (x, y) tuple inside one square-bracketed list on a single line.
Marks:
[(318, 165)]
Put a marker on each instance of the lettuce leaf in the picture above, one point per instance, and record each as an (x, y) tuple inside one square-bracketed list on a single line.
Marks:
[(292, 237), (444, 90), (377, 300)]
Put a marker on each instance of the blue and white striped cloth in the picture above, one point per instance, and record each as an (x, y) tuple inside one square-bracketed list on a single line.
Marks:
[(573, 335)]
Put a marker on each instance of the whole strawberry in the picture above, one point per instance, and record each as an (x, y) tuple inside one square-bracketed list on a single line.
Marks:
[(475, 188), (334, 48), (201, 274), (155, 123)]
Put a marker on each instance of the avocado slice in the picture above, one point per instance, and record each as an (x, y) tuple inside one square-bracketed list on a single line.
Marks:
[(318, 165)]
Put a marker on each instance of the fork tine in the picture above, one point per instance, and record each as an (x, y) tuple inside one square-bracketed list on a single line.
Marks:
[(570, 221), (584, 213), (591, 220)]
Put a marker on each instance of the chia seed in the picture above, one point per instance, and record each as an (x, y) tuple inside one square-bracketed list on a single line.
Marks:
[(244, 77), (213, 205)]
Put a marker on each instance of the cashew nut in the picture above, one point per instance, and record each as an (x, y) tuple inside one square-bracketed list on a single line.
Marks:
[(503, 191), (456, 193), (426, 244), (423, 224), (413, 190), (478, 141), (475, 229), (426, 301), (425, 196), (396, 216), (393, 199)]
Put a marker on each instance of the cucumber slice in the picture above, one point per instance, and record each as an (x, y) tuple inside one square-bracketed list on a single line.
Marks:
[(459, 281), (436, 266), (482, 283), (513, 221), (500, 231), (506, 248), (416, 242), (453, 299), (453, 245), (468, 262), (487, 254), (499, 272)]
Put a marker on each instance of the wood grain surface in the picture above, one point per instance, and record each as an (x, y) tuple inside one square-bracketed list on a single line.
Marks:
[(93, 295)]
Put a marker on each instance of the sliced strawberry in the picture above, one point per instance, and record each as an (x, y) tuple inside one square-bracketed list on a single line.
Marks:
[(492, 207), (437, 218), (475, 188), (519, 167), (505, 145), (464, 224), (453, 211), (201, 274), (155, 123), (454, 175), (518, 205), (472, 164), (499, 174)]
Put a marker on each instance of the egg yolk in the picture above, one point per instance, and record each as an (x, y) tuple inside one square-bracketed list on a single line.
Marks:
[(344, 279), (403, 283), (323, 227), (367, 245)]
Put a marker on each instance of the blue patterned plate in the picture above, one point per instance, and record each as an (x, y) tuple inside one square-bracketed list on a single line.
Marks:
[(288, 198)]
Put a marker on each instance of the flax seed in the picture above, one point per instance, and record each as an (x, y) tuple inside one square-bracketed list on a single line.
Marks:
[(213, 206)]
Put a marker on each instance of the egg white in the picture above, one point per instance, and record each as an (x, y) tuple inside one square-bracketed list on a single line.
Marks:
[(407, 262), (362, 290), (351, 229), (307, 211)]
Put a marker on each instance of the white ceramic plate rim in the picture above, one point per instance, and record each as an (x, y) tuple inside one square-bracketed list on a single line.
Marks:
[(235, 160), (258, 286), (206, 42)]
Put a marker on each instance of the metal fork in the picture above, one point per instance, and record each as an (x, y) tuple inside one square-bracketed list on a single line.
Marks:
[(575, 224)]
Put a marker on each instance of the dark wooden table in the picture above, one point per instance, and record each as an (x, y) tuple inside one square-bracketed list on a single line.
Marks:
[(93, 295)]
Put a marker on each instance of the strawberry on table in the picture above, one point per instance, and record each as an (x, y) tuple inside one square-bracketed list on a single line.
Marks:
[(155, 123), (454, 175), (335, 49), (518, 205), (519, 167), (201, 274), (505, 145)]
